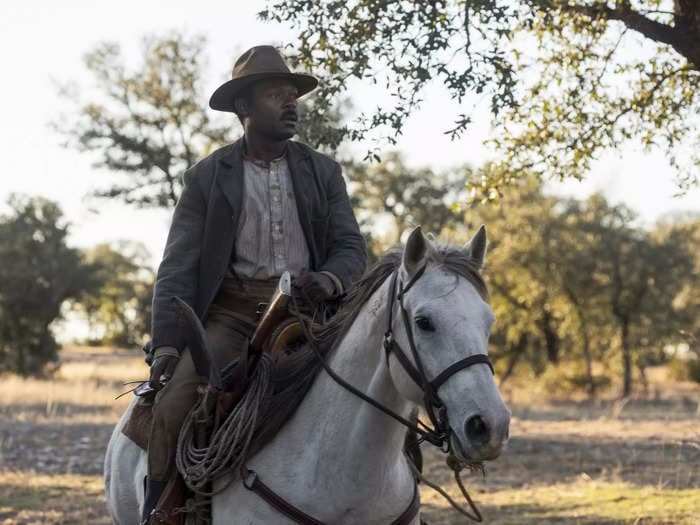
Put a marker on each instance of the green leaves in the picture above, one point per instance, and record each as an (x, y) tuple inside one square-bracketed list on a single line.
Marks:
[(147, 124), (591, 75), (38, 272), (400, 198), (576, 281), (402, 47), (571, 282), (117, 302)]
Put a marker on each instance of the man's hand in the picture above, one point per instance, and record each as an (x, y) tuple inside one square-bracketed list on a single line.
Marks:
[(165, 359), (315, 287)]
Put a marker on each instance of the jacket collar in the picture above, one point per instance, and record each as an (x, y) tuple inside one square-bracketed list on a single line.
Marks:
[(233, 156), (230, 176)]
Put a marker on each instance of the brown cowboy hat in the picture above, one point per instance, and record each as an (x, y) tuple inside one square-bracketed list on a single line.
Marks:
[(258, 63)]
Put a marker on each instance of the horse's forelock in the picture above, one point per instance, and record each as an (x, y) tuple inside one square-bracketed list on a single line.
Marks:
[(455, 260)]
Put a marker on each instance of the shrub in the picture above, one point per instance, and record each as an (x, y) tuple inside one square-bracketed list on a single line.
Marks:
[(694, 370), (684, 369), (678, 369)]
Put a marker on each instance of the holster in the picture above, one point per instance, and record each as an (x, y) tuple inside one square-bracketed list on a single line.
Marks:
[(171, 508)]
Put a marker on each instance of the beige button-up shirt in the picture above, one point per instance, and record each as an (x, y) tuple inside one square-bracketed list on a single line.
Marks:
[(270, 239)]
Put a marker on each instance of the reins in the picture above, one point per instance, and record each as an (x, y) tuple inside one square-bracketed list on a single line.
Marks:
[(441, 432), (456, 468)]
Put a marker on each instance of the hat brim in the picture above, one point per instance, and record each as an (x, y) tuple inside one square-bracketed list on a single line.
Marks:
[(222, 99)]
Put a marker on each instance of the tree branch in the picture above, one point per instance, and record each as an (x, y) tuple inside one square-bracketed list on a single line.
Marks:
[(636, 21)]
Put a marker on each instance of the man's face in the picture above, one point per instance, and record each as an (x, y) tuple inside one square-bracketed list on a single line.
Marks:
[(272, 109)]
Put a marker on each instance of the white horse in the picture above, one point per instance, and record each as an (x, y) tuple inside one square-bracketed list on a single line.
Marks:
[(338, 458)]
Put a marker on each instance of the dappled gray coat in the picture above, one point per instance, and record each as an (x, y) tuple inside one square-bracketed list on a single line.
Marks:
[(203, 230)]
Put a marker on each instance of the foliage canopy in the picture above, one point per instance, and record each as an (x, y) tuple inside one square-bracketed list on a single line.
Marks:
[(118, 306), (565, 79), (146, 124), (579, 290), (38, 272)]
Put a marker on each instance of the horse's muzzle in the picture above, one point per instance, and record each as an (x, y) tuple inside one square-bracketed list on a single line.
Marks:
[(485, 436)]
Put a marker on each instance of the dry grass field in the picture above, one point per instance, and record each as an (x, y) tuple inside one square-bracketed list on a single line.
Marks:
[(570, 462)]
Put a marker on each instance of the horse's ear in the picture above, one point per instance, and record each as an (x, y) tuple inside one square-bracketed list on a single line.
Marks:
[(415, 252), (476, 247)]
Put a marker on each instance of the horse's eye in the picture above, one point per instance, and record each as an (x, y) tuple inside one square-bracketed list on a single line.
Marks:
[(424, 323)]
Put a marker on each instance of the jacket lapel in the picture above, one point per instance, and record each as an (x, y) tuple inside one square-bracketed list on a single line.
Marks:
[(302, 180), (229, 176)]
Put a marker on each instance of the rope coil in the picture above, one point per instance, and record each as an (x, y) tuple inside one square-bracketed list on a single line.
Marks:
[(229, 445)]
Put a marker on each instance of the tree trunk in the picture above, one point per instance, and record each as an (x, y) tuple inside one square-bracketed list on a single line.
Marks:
[(21, 359), (590, 384), (583, 331), (643, 375), (516, 352), (626, 359), (551, 338), (687, 23)]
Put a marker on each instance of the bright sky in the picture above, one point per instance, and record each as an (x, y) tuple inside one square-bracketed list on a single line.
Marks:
[(44, 41)]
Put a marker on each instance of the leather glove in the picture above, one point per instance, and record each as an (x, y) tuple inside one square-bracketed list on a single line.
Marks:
[(165, 359), (315, 287)]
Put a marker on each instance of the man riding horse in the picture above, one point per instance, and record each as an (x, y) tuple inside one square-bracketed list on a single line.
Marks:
[(248, 212)]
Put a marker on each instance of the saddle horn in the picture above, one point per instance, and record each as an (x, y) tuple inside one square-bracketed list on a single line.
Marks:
[(196, 340)]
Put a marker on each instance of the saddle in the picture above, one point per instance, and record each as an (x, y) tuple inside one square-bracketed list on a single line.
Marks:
[(284, 338), (277, 334)]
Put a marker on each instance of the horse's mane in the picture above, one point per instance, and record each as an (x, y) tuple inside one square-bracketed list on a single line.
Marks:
[(293, 376)]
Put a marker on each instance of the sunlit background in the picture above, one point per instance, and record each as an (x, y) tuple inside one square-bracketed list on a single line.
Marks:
[(42, 45), (576, 442)]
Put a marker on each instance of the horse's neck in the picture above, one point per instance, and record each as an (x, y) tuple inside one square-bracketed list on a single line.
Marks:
[(344, 436), (360, 360)]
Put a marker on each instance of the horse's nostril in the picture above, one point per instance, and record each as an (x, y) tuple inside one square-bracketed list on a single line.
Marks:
[(477, 431)]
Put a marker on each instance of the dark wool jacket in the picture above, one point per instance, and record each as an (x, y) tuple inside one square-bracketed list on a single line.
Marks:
[(203, 231)]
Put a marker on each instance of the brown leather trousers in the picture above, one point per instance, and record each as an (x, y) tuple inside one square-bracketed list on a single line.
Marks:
[(229, 325)]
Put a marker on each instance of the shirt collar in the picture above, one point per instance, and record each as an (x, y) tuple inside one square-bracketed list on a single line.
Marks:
[(263, 163)]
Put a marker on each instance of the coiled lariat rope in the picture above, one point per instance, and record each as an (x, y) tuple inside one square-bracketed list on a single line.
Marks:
[(228, 447)]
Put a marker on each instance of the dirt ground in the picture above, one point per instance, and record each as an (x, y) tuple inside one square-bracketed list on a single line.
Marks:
[(634, 462)]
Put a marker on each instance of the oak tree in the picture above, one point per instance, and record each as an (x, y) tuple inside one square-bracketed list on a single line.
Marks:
[(565, 79)]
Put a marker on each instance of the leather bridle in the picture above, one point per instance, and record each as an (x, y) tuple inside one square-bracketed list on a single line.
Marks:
[(434, 407)]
